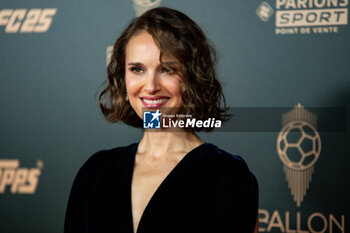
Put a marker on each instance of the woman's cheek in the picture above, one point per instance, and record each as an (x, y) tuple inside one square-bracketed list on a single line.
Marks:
[(174, 86), (132, 85)]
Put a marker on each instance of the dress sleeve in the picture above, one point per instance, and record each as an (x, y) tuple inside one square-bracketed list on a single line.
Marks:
[(80, 194), (252, 201), (76, 208), (246, 200), (237, 200)]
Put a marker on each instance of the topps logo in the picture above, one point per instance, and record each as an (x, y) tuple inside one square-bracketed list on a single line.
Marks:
[(19, 180), (27, 21)]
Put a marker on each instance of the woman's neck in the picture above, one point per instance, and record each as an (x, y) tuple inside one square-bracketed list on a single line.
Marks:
[(160, 143)]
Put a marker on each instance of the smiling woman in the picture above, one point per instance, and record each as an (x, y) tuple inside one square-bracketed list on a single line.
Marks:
[(149, 82), (177, 47), (170, 181)]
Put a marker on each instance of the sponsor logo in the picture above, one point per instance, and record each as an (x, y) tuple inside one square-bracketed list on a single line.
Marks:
[(314, 223), (20, 180), (140, 6), (264, 11), (305, 16), (27, 21), (109, 52), (298, 147), (157, 120)]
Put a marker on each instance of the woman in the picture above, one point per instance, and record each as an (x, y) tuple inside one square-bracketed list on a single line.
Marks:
[(171, 181)]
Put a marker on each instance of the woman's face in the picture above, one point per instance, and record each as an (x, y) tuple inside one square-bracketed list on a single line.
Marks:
[(149, 83)]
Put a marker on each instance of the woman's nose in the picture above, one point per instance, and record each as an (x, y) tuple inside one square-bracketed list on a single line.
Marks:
[(152, 83)]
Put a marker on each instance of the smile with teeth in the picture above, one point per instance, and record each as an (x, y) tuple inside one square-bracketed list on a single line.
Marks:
[(158, 101)]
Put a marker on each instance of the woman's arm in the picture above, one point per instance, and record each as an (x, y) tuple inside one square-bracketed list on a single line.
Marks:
[(256, 229), (75, 212)]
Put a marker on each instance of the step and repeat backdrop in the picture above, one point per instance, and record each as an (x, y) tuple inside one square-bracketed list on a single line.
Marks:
[(285, 70)]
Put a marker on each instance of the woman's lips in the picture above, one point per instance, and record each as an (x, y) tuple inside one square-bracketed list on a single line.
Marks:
[(154, 101)]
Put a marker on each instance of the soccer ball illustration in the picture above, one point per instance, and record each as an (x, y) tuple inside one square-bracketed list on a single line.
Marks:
[(298, 145)]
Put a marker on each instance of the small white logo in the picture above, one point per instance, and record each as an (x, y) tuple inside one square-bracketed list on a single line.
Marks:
[(142, 6), (27, 21), (264, 11), (151, 119), (19, 179), (298, 147)]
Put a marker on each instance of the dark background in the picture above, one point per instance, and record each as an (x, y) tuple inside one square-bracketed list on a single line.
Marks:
[(49, 115)]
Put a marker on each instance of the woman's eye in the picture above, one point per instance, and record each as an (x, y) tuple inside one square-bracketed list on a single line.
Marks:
[(136, 70), (167, 70)]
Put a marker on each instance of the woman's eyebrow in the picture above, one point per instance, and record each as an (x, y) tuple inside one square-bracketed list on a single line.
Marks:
[(170, 63), (167, 63), (135, 64)]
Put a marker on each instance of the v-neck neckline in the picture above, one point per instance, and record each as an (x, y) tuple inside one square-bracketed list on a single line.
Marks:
[(133, 153)]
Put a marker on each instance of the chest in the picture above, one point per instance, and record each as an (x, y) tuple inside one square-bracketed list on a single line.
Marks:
[(146, 179), (166, 197)]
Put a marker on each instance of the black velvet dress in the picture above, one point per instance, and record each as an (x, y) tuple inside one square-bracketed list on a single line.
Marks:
[(209, 191)]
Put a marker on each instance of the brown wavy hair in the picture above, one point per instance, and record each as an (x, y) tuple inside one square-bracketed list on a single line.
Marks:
[(176, 34)]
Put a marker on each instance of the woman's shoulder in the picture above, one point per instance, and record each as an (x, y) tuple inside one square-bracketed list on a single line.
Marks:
[(229, 166), (235, 188), (232, 170), (102, 158), (226, 160)]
